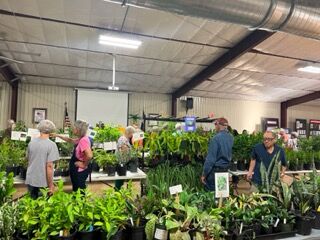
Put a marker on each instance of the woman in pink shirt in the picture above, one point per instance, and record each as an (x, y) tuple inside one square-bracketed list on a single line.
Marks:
[(81, 156)]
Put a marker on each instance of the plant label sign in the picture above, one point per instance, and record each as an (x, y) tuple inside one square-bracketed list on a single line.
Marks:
[(33, 133), (161, 234), (108, 146), (59, 140), (19, 136), (175, 189), (91, 133), (222, 184)]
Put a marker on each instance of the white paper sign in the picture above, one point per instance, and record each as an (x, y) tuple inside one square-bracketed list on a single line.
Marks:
[(19, 136), (175, 189), (91, 133), (59, 140), (161, 234), (108, 146), (138, 136), (33, 133), (222, 184)]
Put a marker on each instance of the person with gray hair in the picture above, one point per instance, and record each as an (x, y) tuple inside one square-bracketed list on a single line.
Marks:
[(10, 127), (41, 154), (263, 153), (81, 156), (124, 145)]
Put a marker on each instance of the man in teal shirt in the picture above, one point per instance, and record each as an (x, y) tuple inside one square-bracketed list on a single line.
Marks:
[(219, 154)]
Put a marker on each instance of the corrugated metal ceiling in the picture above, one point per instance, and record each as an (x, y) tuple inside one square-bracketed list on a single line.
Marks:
[(174, 49)]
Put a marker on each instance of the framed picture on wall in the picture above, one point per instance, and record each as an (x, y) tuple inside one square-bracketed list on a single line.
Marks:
[(39, 114)]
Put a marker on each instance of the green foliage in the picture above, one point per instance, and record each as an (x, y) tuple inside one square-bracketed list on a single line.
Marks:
[(21, 126), (243, 144), (8, 220), (6, 187), (104, 158), (12, 153), (164, 176), (107, 134), (111, 214), (84, 210)]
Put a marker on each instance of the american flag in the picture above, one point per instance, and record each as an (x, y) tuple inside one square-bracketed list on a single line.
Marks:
[(66, 121)]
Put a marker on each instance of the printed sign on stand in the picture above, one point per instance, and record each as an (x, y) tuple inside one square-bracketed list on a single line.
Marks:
[(19, 136), (91, 133), (175, 189), (109, 146), (222, 185)]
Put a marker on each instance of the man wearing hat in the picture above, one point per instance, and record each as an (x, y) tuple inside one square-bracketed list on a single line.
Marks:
[(219, 154)]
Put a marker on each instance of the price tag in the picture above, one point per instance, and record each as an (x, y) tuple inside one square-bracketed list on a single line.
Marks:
[(175, 189), (277, 222), (161, 234), (33, 133), (241, 228), (285, 221), (91, 133), (59, 140), (108, 146), (19, 136)]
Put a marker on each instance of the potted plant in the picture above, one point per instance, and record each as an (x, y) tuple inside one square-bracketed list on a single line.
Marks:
[(84, 212), (303, 200), (123, 157), (287, 220), (7, 187), (134, 160), (23, 168), (111, 215), (8, 220)]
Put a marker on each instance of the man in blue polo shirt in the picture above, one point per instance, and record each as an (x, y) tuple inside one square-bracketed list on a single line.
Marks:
[(264, 153), (219, 154)]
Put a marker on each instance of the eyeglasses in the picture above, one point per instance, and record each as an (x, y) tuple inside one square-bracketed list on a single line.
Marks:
[(267, 139)]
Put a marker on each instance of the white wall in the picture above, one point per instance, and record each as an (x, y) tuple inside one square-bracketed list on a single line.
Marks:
[(240, 114), (5, 100), (50, 97), (303, 111)]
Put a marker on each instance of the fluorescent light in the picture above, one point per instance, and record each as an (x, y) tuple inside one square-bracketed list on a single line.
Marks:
[(113, 88), (119, 42), (309, 69)]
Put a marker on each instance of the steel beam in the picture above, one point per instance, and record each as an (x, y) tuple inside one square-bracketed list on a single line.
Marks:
[(244, 46)]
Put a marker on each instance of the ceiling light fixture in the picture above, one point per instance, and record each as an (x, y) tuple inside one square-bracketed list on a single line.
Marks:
[(119, 42), (309, 69)]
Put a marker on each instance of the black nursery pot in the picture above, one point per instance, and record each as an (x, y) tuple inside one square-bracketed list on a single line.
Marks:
[(136, 233), (304, 224), (161, 232), (316, 221), (241, 166), (111, 170), (267, 230), (95, 166), (65, 173), (317, 165), (122, 170), (86, 235), (133, 166), (288, 227), (57, 173), (10, 169), (233, 166), (307, 166), (118, 236), (23, 173)]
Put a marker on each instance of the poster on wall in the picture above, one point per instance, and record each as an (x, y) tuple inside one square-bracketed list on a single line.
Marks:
[(190, 124), (270, 124), (39, 114), (301, 127), (314, 127)]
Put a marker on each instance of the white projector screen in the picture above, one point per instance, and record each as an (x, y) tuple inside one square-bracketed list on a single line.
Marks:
[(94, 106)]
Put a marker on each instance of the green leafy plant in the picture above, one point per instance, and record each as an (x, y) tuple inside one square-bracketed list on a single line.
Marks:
[(8, 220), (111, 214), (6, 187), (107, 134)]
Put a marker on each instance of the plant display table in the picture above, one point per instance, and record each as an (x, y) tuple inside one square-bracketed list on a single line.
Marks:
[(98, 177)]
